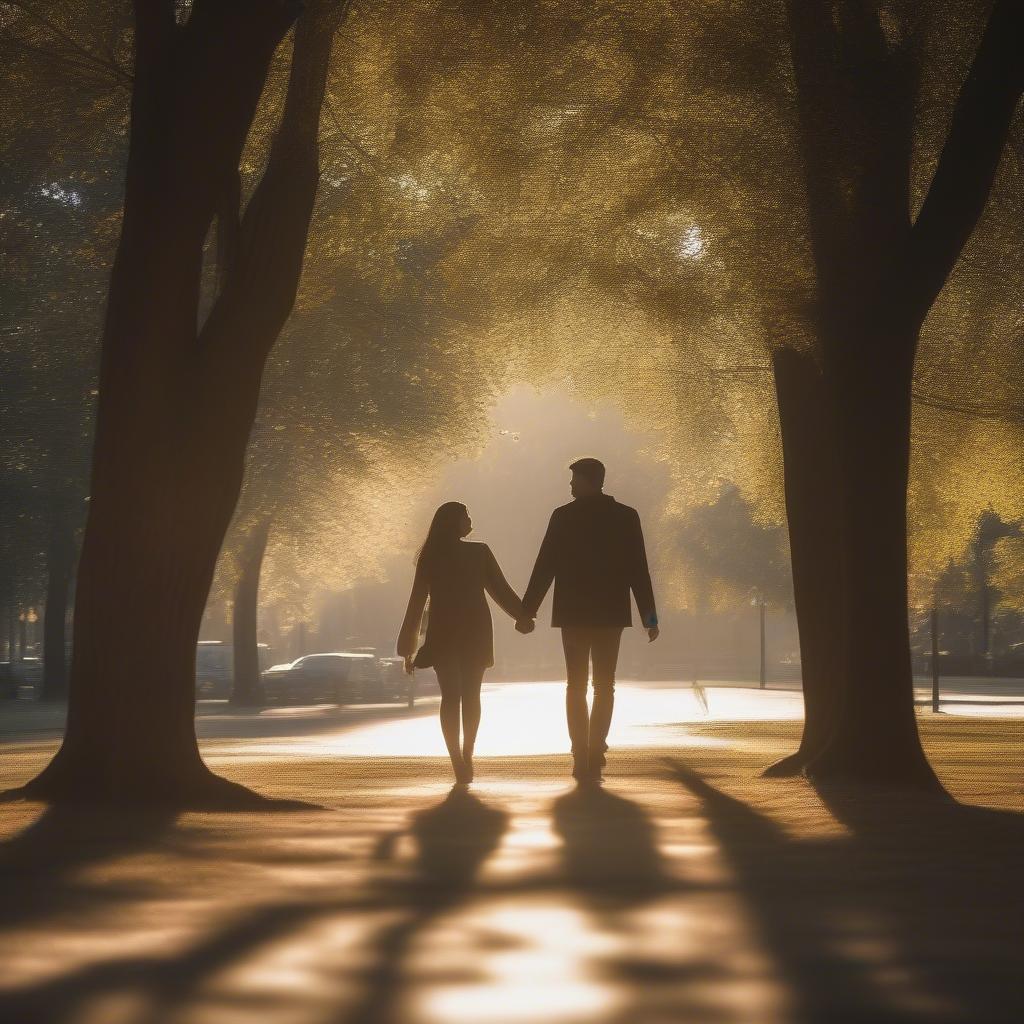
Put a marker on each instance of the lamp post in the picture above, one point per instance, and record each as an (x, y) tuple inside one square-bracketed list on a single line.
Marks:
[(759, 602)]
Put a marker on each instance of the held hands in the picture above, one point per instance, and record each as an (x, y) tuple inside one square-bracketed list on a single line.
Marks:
[(524, 626), (409, 669)]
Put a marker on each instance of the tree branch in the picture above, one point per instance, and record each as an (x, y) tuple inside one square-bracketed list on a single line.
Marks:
[(260, 290), (970, 157), (819, 98), (108, 67)]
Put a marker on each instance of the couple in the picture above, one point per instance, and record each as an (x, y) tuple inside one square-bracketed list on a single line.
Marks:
[(593, 551)]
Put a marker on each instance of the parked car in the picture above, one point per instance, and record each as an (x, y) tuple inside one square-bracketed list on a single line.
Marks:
[(336, 677), (215, 667)]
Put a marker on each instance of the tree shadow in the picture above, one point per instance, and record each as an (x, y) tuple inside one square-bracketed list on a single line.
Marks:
[(163, 982), (956, 908), (452, 841), (609, 851), (913, 916), (39, 878), (611, 860), (38, 865)]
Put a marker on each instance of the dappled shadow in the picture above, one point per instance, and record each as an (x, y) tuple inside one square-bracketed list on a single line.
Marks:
[(41, 877), (38, 866), (913, 916), (955, 908), (452, 840), (609, 850), (160, 982)]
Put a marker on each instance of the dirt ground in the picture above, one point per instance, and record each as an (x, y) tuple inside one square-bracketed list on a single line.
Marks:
[(687, 889)]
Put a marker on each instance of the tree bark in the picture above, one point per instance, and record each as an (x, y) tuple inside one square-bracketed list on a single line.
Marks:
[(59, 571), (246, 690), (878, 276), (175, 409), (813, 510), (22, 635), (874, 736)]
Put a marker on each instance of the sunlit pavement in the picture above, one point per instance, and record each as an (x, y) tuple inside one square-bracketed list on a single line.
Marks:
[(664, 896)]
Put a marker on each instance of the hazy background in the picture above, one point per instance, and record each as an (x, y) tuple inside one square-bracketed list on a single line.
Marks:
[(510, 488)]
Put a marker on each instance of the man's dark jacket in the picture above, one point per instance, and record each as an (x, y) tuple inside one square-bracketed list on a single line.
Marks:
[(594, 552)]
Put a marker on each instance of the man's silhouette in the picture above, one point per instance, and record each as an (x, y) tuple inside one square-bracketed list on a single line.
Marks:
[(594, 552)]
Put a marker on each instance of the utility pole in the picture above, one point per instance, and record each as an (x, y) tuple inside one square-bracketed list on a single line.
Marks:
[(935, 657)]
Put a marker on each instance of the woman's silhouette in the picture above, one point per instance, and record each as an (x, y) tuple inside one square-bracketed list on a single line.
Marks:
[(455, 574)]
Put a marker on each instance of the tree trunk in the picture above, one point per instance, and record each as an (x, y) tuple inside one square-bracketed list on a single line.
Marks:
[(175, 410), (59, 570), (246, 690), (22, 635), (874, 737), (813, 512)]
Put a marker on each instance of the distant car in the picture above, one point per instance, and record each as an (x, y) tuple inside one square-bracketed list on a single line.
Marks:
[(337, 677)]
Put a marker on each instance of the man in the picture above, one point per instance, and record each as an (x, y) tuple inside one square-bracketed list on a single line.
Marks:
[(594, 552)]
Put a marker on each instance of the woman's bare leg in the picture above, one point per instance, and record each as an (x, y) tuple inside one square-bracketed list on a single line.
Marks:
[(449, 678), (472, 680)]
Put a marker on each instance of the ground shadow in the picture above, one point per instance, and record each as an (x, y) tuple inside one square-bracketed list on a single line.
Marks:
[(37, 866), (912, 916), (609, 849), (40, 878), (452, 842)]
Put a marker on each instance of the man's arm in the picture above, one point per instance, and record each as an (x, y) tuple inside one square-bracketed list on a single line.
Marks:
[(543, 572), (640, 576)]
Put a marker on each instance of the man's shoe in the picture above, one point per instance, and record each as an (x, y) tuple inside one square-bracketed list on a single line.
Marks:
[(580, 769)]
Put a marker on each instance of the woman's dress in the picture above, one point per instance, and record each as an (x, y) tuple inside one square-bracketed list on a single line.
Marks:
[(459, 620)]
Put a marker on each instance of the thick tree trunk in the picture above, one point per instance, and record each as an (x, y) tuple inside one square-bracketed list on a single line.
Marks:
[(813, 511), (874, 736), (146, 567), (175, 410), (246, 690), (59, 570)]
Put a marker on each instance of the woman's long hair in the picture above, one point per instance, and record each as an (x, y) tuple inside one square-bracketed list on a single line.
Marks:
[(443, 534)]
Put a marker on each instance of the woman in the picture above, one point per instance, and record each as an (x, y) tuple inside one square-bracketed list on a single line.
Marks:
[(454, 574)]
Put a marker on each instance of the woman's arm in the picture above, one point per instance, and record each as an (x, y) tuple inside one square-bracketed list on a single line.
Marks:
[(497, 586), (409, 635)]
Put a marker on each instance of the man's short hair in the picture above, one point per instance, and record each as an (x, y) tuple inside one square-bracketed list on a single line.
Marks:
[(590, 469)]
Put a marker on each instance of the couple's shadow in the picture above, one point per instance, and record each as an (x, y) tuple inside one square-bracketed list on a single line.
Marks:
[(609, 847), (608, 855), (609, 851)]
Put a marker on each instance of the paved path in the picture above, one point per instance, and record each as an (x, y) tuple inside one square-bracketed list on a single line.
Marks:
[(687, 889)]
